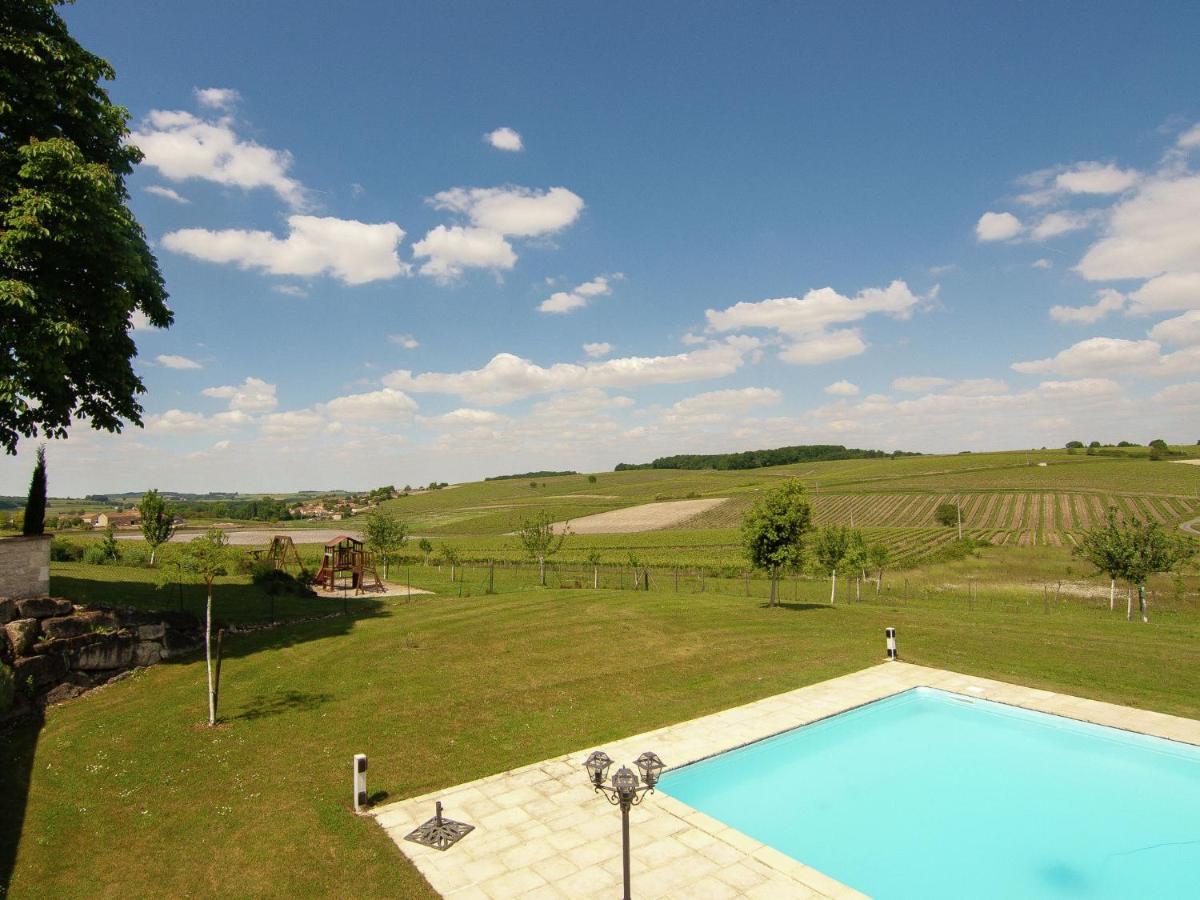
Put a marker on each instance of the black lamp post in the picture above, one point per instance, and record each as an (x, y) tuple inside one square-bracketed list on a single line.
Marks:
[(624, 791)]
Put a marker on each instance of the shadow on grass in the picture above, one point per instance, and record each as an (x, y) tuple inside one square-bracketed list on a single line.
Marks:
[(261, 706), (236, 604), (17, 745), (796, 607)]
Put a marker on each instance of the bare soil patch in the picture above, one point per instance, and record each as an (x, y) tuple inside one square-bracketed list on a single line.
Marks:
[(647, 517)]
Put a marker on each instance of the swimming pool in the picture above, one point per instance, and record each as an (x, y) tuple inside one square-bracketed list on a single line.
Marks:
[(929, 794)]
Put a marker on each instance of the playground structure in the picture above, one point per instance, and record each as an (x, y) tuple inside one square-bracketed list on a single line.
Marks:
[(282, 555), (345, 558)]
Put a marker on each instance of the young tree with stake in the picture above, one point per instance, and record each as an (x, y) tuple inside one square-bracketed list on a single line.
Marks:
[(774, 531), (158, 524), (831, 550), (386, 535), (1105, 548), (204, 558), (878, 558), (1146, 549), (540, 541)]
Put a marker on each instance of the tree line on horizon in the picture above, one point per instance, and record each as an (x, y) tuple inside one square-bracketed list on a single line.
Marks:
[(758, 459)]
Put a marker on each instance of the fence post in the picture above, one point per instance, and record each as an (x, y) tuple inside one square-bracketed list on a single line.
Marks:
[(491, 577)]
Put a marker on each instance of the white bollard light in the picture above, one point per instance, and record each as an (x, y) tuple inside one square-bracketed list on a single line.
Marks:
[(360, 782), (891, 644)]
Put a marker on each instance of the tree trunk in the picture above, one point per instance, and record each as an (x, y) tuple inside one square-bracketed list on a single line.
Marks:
[(212, 698), (857, 590), (774, 583), (451, 573), (1128, 604), (1112, 594), (832, 586), (153, 551), (1145, 611), (878, 582), (542, 570), (596, 578)]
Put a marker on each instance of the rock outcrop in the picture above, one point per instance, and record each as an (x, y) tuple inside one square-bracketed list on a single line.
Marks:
[(57, 651)]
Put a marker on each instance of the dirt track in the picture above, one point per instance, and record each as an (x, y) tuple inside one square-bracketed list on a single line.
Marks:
[(647, 517)]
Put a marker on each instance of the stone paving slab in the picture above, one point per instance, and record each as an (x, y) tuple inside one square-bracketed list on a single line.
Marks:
[(540, 832)]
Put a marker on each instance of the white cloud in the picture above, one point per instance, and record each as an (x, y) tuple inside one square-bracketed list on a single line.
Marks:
[(217, 98), (180, 421), (449, 251), (1151, 233), (139, 321), (577, 297), (1181, 331), (715, 407), (1101, 356), (1056, 223), (159, 191), (1180, 398), (842, 388), (918, 384), (1042, 263), (251, 396), (172, 361), (182, 146), (806, 321), (289, 290), (691, 340), (295, 424), (513, 211), (1167, 293), (351, 251), (506, 377), (598, 349), (586, 402), (824, 347), (407, 341), (994, 226), (386, 405), (977, 387), (1107, 301), (1096, 178), (505, 138), (1190, 138), (465, 417)]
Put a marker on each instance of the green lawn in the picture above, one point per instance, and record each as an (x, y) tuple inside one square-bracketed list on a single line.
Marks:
[(129, 796)]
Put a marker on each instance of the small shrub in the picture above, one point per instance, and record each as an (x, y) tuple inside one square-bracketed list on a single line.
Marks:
[(135, 556), (96, 555), (63, 550)]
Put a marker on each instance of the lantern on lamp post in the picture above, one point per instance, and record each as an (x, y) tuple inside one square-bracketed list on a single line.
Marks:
[(624, 790)]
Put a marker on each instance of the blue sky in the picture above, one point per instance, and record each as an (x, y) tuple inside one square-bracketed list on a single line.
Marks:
[(921, 226)]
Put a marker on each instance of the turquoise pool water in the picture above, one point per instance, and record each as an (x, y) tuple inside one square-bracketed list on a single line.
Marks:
[(931, 795)]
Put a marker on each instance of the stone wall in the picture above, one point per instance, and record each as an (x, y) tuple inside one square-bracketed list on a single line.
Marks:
[(58, 651), (25, 566)]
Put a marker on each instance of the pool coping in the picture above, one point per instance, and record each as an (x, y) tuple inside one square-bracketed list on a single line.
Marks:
[(541, 833)]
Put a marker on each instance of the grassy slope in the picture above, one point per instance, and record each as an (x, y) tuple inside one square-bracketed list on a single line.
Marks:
[(443, 690)]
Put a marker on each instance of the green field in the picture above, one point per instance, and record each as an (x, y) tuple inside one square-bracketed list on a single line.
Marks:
[(491, 671), (443, 689)]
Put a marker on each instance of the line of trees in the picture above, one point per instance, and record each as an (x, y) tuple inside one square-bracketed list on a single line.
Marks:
[(1131, 552), (756, 459), (778, 537)]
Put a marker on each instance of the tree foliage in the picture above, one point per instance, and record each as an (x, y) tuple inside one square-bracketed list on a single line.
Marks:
[(774, 530), (34, 521), (754, 459), (158, 522), (540, 541), (75, 268), (946, 514), (385, 535)]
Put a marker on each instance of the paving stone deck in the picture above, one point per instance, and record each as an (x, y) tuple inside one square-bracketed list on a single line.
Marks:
[(540, 832)]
